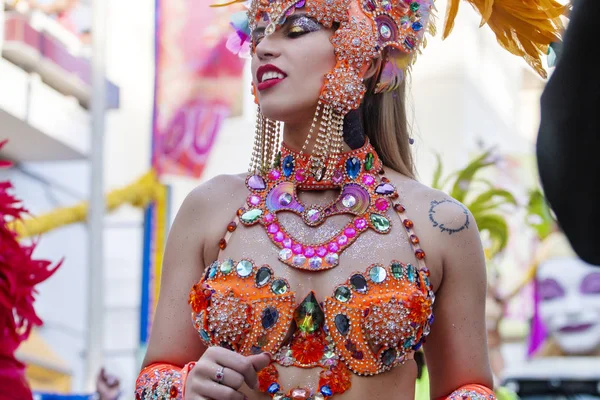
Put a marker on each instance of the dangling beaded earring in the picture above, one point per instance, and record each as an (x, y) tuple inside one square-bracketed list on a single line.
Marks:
[(267, 137)]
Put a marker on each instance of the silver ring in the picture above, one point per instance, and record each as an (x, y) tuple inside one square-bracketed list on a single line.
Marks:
[(220, 375)]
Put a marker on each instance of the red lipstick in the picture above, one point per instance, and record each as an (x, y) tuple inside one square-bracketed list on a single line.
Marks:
[(274, 76)]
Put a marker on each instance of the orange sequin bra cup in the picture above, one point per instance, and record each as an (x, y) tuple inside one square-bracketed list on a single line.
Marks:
[(369, 324)]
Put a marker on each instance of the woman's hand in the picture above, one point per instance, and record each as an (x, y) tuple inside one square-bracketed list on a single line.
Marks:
[(220, 373)]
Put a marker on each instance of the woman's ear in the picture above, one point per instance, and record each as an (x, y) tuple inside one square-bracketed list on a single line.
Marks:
[(373, 68)]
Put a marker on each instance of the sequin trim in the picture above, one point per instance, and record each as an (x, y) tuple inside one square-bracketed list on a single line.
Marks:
[(162, 382), (472, 392)]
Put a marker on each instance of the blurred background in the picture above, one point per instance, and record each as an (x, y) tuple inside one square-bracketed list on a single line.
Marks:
[(178, 111)]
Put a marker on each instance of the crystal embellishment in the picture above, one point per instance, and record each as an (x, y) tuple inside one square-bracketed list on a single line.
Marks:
[(244, 268), (269, 317), (380, 223), (359, 283), (377, 274), (308, 315), (251, 216), (288, 166), (263, 276), (227, 266), (256, 182), (343, 294), (279, 286), (353, 167), (342, 323)]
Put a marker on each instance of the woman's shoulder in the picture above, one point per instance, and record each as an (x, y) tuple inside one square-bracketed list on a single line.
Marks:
[(219, 190), (213, 202), (441, 209), (442, 223)]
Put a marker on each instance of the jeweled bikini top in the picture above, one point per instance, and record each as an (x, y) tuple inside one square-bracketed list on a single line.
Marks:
[(369, 324)]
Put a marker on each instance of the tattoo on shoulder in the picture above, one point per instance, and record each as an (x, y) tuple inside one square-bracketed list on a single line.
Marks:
[(438, 216)]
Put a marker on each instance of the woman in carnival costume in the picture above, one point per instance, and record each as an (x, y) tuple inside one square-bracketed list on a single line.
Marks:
[(308, 275)]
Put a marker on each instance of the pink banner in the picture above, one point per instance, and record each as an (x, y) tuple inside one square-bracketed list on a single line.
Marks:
[(198, 81)]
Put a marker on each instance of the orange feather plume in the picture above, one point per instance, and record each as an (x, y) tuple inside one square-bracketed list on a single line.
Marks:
[(524, 27)]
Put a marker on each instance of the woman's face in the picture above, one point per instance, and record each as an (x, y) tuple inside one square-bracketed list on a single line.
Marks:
[(569, 291), (289, 66)]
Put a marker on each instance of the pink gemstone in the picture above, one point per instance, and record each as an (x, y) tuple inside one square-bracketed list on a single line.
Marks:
[(297, 248), (287, 243), (360, 223), (254, 200), (273, 228), (274, 174), (269, 218), (350, 232), (342, 240), (300, 175), (382, 204), (337, 177), (279, 236), (368, 180), (333, 247), (321, 251), (309, 252)]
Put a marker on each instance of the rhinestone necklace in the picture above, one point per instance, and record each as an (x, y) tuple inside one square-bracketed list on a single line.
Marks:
[(364, 193)]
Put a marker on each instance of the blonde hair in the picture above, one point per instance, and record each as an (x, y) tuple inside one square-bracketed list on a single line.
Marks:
[(384, 121)]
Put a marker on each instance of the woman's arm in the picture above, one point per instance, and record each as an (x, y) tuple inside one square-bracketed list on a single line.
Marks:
[(456, 349), (173, 338)]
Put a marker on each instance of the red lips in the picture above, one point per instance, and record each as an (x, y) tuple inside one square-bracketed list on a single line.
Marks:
[(269, 68)]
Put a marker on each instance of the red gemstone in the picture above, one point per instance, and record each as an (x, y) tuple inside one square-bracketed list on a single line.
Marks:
[(231, 227), (384, 179), (381, 172), (174, 392), (394, 196), (420, 254), (240, 211), (408, 223), (399, 208), (414, 239), (371, 5), (222, 244), (138, 397)]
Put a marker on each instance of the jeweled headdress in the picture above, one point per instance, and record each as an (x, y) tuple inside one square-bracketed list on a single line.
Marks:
[(393, 30)]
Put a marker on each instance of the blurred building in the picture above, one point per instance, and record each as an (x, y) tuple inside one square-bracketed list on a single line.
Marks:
[(466, 94)]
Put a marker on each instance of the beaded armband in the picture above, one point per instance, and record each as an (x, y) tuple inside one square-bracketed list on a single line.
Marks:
[(472, 392), (162, 382)]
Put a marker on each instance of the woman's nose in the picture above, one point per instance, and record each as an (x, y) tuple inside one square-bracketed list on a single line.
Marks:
[(268, 48)]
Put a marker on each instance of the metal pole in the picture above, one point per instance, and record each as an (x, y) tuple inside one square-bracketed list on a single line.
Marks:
[(95, 322)]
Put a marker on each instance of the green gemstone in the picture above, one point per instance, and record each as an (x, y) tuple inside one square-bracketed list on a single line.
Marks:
[(308, 315), (369, 161), (414, 6), (279, 286), (342, 294), (380, 223), (227, 266), (251, 216), (397, 270)]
